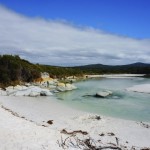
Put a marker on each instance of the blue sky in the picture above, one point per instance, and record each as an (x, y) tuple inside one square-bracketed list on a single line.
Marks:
[(124, 17), (76, 32)]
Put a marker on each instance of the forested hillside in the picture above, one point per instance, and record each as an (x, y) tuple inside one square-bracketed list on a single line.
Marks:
[(13, 69)]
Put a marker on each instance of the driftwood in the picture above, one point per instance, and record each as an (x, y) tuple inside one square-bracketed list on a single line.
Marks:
[(108, 147), (102, 134), (73, 132), (144, 125), (110, 134), (87, 144), (117, 140), (50, 121), (112, 144)]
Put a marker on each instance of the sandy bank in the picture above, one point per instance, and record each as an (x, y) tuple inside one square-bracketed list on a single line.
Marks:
[(142, 88), (27, 131)]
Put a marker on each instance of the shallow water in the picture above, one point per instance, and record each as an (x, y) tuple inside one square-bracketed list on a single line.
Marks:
[(122, 104)]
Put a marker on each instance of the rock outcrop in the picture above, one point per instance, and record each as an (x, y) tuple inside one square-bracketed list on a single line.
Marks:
[(32, 91), (103, 94)]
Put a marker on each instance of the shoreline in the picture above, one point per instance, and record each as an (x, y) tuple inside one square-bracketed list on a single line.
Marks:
[(68, 120)]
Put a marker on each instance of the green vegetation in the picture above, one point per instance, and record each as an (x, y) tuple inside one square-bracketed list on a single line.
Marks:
[(14, 70)]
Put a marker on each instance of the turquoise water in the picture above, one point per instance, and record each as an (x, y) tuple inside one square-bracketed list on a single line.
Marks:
[(122, 104)]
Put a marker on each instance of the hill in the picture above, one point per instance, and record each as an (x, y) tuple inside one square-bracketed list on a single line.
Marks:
[(135, 68)]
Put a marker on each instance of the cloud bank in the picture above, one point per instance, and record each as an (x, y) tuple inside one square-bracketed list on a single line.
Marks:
[(61, 43)]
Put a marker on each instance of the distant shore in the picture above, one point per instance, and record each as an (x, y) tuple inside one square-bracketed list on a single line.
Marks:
[(115, 75)]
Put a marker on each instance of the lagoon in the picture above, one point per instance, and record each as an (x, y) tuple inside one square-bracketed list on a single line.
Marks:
[(122, 104)]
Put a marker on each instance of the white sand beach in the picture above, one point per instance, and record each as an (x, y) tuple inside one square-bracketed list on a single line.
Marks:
[(24, 125)]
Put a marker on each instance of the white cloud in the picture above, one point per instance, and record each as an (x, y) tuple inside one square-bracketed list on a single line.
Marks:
[(60, 43)]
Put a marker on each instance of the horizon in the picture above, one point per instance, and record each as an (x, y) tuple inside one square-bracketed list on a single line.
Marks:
[(66, 33)]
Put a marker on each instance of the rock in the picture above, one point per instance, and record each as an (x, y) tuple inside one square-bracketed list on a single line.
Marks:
[(51, 82), (35, 89), (32, 91), (10, 91), (24, 88), (34, 94), (42, 94), (61, 84), (65, 87), (55, 91), (103, 94), (22, 93), (26, 93), (48, 93), (70, 87), (14, 90), (18, 87), (52, 86), (61, 89), (39, 91), (45, 93)]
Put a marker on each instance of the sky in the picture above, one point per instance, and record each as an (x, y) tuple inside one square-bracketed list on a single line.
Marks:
[(76, 32)]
